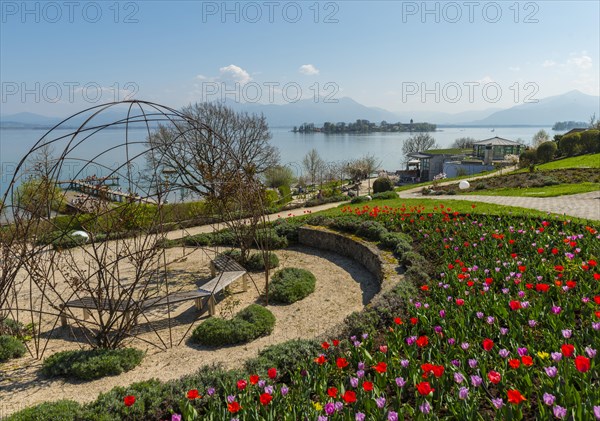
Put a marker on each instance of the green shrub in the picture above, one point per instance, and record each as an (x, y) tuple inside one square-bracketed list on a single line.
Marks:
[(346, 223), (545, 152), (371, 230), (224, 237), (91, 364), (256, 262), (197, 240), (63, 410), (411, 258), (287, 357), (286, 194), (167, 243), (11, 347), (12, 328), (269, 238), (287, 228), (381, 312), (382, 184), (396, 241), (387, 195), (332, 199), (527, 158), (291, 284), (251, 323)]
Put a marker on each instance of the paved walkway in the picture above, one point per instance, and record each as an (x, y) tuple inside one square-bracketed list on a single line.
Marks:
[(583, 205)]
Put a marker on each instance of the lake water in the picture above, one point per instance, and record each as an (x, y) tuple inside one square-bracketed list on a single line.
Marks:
[(387, 147)]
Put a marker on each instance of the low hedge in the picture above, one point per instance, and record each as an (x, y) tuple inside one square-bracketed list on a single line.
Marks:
[(11, 347), (291, 284), (91, 364), (256, 262), (287, 357), (63, 410), (270, 238), (387, 195), (251, 323)]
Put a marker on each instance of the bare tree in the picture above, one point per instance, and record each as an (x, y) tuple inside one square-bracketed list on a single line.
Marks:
[(313, 164), (540, 137), (463, 143), (212, 143), (418, 143)]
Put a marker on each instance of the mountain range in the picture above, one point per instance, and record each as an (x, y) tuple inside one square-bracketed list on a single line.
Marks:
[(573, 105)]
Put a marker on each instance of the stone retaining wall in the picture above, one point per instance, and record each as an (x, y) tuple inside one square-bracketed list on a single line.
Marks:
[(382, 264)]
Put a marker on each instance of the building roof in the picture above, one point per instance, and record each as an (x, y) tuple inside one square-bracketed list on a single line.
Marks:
[(419, 155), (497, 141), (575, 130)]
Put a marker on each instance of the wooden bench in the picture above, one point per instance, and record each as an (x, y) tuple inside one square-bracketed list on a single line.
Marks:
[(206, 292), (224, 263)]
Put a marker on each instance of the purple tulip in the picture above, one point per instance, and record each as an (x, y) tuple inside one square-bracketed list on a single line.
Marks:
[(329, 408), (522, 352), (354, 381), (498, 403), (400, 382), (476, 381), (551, 371), (380, 402), (559, 412), (359, 416), (284, 390), (392, 416), (463, 393), (425, 407), (549, 399), (504, 353)]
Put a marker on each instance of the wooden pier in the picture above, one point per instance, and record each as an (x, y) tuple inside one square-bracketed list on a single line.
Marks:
[(97, 187)]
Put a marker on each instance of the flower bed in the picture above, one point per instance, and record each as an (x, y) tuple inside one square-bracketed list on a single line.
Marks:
[(506, 328)]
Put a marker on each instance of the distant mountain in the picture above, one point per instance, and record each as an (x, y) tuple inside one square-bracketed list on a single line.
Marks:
[(309, 111), (573, 105), (36, 121)]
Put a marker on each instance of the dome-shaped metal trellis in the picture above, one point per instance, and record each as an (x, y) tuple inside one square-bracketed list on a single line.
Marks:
[(99, 172)]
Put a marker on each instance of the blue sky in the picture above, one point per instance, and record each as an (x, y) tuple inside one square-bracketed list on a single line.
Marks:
[(385, 54)]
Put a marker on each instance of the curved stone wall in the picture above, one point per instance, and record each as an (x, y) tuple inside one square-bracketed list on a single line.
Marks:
[(382, 264)]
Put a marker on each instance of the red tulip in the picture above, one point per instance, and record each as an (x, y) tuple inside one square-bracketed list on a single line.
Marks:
[(424, 388), (494, 376), (129, 400), (272, 373), (488, 344), (582, 364)]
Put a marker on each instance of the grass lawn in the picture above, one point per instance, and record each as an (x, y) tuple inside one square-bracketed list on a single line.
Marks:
[(547, 191), (583, 161), (433, 205)]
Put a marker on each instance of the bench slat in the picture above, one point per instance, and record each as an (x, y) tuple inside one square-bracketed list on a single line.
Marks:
[(221, 281)]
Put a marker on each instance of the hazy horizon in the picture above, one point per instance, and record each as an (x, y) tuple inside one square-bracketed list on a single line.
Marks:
[(451, 57)]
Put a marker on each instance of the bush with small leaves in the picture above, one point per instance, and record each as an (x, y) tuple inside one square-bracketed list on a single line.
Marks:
[(198, 240), (287, 228), (371, 230), (287, 357), (92, 364), (360, 199), (251, 323), (269, 238), (256, 262), (383, 184), (387, 195), (11, 347), (291, 284), (63, 410), (545, 152)]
